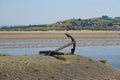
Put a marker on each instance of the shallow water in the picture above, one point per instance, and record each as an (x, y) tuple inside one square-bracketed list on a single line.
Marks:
[(109, 53), (94, 48)]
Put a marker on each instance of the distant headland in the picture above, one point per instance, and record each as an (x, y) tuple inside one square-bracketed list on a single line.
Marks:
[(97, 23)]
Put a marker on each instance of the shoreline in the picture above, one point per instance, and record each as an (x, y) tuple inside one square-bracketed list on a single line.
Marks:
[(57, 34)]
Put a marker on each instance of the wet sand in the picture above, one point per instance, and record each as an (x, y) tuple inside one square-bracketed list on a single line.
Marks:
[(57, 34)]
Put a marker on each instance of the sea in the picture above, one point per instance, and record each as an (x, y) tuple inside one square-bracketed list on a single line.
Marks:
[(96, 48)]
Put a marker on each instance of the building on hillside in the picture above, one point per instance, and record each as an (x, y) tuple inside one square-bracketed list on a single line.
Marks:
[(105, 17)]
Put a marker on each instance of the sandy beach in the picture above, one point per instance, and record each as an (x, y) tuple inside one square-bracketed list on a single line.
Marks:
[(57, 34), (67, 67)]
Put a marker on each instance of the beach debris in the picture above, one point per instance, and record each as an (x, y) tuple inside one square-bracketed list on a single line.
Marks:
[(55, 52), (103, 61)]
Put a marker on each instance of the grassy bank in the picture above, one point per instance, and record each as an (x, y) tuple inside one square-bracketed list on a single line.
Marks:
[(37, 67)]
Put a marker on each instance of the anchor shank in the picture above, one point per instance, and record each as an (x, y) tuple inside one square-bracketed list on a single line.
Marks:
[(62, 47)]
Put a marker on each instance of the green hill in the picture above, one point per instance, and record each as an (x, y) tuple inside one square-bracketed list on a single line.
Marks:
[(100, 23)]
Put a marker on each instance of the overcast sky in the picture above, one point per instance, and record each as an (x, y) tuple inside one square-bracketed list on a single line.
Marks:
[(25, 12)]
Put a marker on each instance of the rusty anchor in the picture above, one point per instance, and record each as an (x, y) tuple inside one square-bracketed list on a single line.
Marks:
[(55, 52)]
